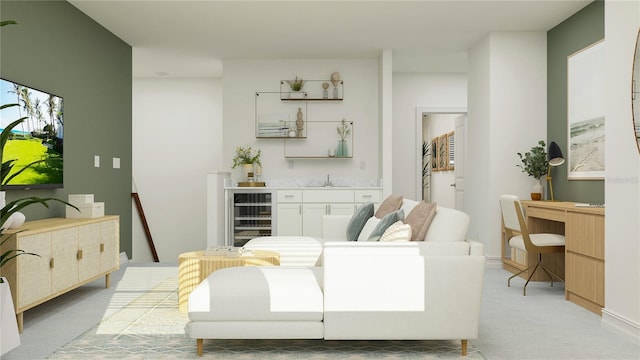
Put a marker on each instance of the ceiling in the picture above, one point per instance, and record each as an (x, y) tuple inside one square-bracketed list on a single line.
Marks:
[(192, 38)]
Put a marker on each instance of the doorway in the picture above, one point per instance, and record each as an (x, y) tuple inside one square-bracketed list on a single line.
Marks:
[(441, 132)]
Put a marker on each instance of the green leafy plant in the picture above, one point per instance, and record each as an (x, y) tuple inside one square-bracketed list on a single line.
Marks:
[(296, 85), (19, 204), (344, 130), (246, 155), (535, 162)]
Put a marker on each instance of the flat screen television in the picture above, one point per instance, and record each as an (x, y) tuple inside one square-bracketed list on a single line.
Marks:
[(39, 138)]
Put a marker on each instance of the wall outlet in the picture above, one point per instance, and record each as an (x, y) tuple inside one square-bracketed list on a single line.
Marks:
[(96, 161)]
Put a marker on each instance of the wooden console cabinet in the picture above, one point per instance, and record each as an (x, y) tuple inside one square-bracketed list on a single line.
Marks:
[(72, 252)]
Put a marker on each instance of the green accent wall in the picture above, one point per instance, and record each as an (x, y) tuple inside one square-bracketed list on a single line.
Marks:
[(577, 32), (57, 48)]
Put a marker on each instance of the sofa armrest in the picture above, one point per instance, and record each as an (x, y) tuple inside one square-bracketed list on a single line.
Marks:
[(475, 248), (335, 226)]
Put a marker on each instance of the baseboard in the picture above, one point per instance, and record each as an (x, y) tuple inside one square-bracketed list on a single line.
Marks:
[(494, 262), (620, 326)]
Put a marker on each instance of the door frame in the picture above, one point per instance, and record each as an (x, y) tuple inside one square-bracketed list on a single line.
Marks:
[(418, 140)]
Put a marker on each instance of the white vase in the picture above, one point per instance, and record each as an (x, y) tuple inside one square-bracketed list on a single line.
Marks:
[(536, 192), (10, 338)]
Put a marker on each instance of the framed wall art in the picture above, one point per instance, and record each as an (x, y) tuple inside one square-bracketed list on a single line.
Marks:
[(585, 113), (443, 157)]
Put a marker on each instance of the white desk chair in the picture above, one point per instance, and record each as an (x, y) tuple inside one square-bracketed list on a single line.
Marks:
[(519, 238)]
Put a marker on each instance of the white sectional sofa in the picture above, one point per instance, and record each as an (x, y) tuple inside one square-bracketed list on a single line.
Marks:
[(346, 290)]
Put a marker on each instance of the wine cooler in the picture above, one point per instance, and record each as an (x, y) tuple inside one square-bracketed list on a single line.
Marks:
[(251, 216)]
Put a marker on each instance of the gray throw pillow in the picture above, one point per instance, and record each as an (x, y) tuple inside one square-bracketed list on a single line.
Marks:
[(359, 218), (386, 221)]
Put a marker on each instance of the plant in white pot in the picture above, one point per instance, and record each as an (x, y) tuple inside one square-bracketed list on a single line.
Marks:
[(296, 87), (247, 159), (535, 163)]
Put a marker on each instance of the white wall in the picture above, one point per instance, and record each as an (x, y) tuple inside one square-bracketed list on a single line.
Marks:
[(244, 77), (506, 114), (177, 140), (411, 91), (622, 229)]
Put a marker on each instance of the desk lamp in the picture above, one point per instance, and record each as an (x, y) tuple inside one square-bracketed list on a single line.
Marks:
[(555, 159)]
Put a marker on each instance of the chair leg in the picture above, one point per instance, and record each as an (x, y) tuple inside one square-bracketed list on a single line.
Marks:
[(551, 274), (524, 290), (516, 274)]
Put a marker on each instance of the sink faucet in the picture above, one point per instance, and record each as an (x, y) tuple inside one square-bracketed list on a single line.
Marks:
[(328, 182)]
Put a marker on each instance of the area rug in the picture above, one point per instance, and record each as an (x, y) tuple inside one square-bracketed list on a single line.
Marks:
[(151, 327)]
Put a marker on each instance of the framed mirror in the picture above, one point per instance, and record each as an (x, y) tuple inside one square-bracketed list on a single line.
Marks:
[(635, 92)]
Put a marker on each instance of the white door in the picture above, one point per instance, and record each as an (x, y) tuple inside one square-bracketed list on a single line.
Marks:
[(459, 156)]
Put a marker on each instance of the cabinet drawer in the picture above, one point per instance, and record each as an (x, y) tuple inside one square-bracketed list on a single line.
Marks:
[(585, 277), (585, 234), (285, 196), (328, 196), (363, 196)]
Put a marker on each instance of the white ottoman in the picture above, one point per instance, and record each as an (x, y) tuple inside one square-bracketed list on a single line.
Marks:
[(257, 303)]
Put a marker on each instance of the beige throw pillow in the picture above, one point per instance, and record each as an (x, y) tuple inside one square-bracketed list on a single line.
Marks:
[(389, 205), (420, 218), (398, 231)]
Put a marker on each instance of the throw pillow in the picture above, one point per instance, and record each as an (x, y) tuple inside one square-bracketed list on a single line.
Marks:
[(368, 228), (359, 218), (386, 221), (390, 204), (398, 231), (420, 218)]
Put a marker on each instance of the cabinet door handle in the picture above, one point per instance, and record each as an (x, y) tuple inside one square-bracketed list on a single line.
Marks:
[(288, 196), (101, 247), (366, 196), (52, 263), (79, 255), (300, 209)]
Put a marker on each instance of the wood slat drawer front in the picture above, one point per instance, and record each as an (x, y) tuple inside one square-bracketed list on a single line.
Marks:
[(289, 196), (585, 234), (585, 277), (363, 196)]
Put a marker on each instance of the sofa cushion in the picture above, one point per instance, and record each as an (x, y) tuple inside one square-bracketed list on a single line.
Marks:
[(398, 231), (390, 204), (368, 228), (359, 218), (448, 225), (420, 218), (386, 221), (258, 293)]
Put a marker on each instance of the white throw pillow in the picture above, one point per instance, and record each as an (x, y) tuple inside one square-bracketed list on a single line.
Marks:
[(368, 228), (398, 231)]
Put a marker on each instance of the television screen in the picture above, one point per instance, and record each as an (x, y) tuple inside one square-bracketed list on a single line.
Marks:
[(37, 140)]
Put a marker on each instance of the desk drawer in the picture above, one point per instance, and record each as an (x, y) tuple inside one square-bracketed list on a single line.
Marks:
[(547, 214), (585, 277), (585, 234)]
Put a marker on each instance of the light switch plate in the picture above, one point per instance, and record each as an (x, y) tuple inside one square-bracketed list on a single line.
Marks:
[(116, 163), (96, 161)]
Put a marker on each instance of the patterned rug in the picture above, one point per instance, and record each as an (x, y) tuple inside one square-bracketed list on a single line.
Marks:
[(151, 327)]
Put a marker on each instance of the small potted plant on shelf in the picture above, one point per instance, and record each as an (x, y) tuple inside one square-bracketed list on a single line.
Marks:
[(344, 130), (535, 164), (296, 85), (248, 159)]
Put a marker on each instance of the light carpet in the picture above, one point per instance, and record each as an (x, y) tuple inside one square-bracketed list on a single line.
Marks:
[(151, 327)]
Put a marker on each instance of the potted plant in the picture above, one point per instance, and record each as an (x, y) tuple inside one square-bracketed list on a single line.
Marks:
[(344, 130), (535, 164), (296, 85), (247, 158)]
